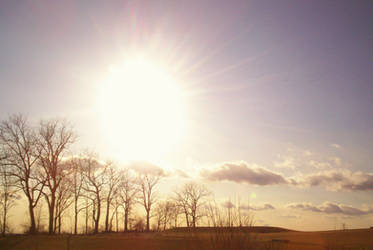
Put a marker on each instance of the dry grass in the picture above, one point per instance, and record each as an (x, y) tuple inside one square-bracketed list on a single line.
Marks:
[(214, 240)]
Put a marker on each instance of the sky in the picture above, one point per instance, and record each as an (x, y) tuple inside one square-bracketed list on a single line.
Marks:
[(274, 99)]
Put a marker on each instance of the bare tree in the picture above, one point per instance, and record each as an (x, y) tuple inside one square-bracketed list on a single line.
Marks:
[(138, 224), (39, 217), (55, 136), (174, 214), (86, 213), (111, 189), (76, 186), (147, 182), (163, 211), (182, 201), (64, 198), (94, 174), (128, 194), (18, 142), (8, 195), (213, 214), (116, 205), (229, 214), (191, 198)]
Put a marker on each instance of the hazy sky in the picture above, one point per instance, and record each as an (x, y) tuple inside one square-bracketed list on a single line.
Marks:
[(278, 94)]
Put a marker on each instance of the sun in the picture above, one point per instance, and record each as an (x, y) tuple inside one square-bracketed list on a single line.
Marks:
[(142, 110)]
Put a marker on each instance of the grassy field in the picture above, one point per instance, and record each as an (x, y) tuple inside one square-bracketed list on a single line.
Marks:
[(216, 240)]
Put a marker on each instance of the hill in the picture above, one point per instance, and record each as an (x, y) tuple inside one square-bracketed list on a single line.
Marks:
[(254, 229)]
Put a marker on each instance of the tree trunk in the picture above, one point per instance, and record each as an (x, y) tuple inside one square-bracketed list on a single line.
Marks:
[(76, 224), (116, 220), (76, 217), (32, 220), (126, 219), (51, 214), (4, 215), (98, 216), (86, 220), (55, 224), (107, 216), (147, 220), (59, 224), (187, 218)]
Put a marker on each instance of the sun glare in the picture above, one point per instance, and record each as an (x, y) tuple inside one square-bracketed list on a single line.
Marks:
[(142, 110)]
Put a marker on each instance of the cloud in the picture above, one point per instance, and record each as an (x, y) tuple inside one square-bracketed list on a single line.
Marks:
[(228, 204), (338, 179), (332, 180), (143, 167), (296, 159), (319, 164), (243, 172), (290, 216), (287, 162), (266, 206), (337, 146), (307, 153), (331, 208), (337, 161), (181, 173)]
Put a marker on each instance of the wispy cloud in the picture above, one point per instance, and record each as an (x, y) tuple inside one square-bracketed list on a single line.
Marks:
[(331, 208)]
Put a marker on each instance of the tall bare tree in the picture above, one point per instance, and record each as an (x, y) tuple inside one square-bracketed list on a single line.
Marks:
[(163, 213), (18, 142), (111, 189), (64, 198), (147, 183), (116, 205), (192, 197), (128, 194), (76, 185), (182, 201), (228, 214), (176, 210), (8, 194), (54, 138), (94, 174)]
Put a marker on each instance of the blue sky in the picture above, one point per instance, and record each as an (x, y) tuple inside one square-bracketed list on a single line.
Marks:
[(270, 83)]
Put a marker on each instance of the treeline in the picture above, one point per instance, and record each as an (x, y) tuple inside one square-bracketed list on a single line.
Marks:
[(36, 162)]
